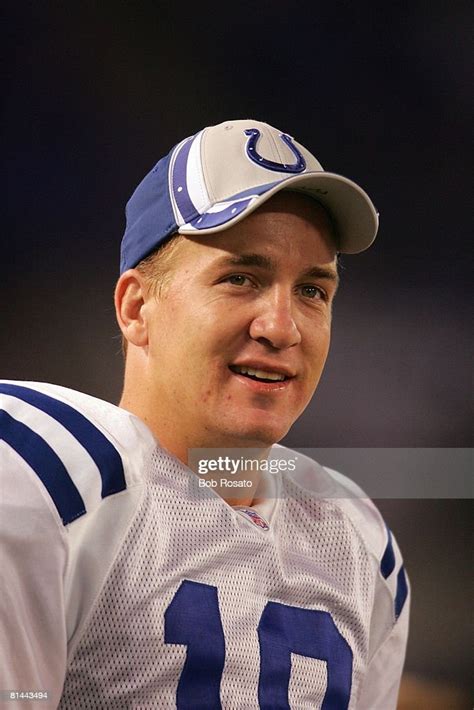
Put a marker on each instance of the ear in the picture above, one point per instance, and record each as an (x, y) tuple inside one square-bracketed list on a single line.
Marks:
[(129, 307)]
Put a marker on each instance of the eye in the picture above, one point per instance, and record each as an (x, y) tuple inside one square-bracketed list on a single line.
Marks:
[(238, 280), (313, 292)]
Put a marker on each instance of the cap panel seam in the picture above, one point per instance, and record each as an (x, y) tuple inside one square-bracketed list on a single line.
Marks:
[(277, 153), (205, 171), (174, 206), (197, 181)]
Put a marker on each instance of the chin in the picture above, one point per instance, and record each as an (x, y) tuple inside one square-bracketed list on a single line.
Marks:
[(249, 430), (261, 436)]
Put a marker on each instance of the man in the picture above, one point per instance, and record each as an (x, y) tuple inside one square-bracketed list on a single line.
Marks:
[(165, 553)]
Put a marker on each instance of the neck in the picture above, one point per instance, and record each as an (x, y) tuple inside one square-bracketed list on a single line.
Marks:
[(227, 467)]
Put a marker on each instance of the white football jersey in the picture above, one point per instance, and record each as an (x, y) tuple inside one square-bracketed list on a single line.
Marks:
[(125, 585)]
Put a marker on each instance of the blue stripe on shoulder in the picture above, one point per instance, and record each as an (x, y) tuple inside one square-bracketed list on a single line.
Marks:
[(46, 464), (387, 564), (105, 455), (402, 592)]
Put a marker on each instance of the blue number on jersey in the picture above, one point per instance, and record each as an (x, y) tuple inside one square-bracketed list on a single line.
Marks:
[(193, 619), (284, 630)]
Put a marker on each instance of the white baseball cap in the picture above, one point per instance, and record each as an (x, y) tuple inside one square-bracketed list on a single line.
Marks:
[(217, 177)]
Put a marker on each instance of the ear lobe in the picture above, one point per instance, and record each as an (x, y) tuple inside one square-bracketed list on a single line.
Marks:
[(129, 307)]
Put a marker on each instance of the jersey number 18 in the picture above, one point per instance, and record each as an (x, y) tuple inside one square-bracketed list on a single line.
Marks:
[(193, 619)]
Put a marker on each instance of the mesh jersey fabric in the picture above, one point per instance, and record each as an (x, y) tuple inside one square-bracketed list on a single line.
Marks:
[(163, 545)]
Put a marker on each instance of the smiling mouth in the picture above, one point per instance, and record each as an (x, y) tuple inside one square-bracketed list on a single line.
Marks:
[(258, 375)]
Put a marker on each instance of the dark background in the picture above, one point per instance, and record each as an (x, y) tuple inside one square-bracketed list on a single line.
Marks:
[(95, 93)]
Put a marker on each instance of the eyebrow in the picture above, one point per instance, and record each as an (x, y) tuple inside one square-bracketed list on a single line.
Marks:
[(263, 262)]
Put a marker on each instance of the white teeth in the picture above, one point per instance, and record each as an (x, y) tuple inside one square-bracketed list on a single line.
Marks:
[(261, 374)]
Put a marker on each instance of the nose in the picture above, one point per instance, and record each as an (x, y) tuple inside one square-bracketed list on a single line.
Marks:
[(274, 324)]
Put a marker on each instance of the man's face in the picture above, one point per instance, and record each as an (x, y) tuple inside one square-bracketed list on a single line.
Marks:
[(238, 341)]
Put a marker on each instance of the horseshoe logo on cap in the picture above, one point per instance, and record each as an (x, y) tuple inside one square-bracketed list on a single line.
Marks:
[(255, 157)]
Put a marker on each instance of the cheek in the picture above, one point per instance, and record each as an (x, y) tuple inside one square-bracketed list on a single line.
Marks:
[(206, 396), (318, 339), (317, 352)]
